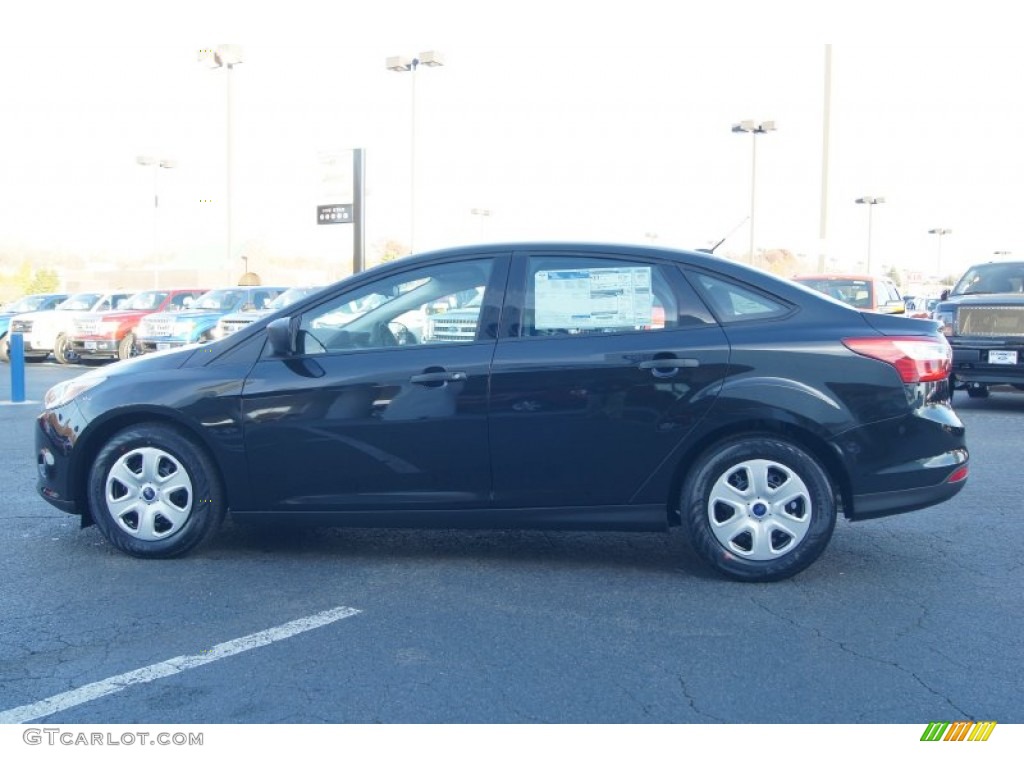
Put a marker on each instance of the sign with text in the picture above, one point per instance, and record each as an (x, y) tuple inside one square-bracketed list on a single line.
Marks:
[(334, 214)]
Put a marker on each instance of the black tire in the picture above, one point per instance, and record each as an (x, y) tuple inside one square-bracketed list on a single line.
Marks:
[(154, 492), (739, 525), (127, 348), (977, 390), (62, 351)]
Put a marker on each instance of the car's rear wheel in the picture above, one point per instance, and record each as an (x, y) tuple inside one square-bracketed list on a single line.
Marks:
[(154, 492), (758, 508)]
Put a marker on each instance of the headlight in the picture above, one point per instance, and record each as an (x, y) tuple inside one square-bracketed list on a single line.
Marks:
[(945, 319), (66, 391)]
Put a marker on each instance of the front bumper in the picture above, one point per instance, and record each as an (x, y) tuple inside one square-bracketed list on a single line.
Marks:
[(159, 344), (988, 363), (93, 348)]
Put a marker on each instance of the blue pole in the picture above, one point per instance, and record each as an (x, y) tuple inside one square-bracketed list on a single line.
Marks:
[(17, 355)]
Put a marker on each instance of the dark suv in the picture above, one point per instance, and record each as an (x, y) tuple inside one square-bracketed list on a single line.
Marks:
[(603, 387), (983, 318)]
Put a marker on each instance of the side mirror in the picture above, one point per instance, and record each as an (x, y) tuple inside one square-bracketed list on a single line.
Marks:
[(944, 295), (283, 335)]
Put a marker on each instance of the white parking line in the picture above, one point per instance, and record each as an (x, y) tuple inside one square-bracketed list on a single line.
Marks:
[(173, 666)]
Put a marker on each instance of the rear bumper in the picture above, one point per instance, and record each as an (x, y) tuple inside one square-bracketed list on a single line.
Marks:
[(874, 505)]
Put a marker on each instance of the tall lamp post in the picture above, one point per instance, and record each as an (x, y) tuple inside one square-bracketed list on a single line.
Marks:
[(226, 57), (484, 214), (749, 126), (940, 233), (406, 64), (870, 202), (147, 160)]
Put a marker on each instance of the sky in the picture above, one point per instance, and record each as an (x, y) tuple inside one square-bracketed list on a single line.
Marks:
[(566, 121)]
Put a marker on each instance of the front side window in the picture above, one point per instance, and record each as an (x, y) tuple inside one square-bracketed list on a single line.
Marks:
[(437, 304)]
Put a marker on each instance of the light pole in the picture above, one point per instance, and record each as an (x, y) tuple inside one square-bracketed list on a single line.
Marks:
[(405, 64), (226, 57), (157, 164), (870, 202), (940, 232), (484, 214), (749, 126)]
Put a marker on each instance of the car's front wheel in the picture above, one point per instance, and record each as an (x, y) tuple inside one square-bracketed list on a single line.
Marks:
[(62, 350), (127, 347), (154, 492), (758, 508)]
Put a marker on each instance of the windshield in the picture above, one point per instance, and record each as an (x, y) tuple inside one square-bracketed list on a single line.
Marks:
[(991, 278), (291, 296), (145, 300), (27, 304), (850, 291), (219, 300), (80, 301)]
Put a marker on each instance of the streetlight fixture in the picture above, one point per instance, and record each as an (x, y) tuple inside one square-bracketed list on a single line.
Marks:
[(484, 214), (226, 57), (870, 202), (753, 128), (940, 232), (407, 64), (148, 160)]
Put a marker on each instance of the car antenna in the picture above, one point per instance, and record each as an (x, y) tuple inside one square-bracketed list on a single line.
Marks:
[(731, 233)]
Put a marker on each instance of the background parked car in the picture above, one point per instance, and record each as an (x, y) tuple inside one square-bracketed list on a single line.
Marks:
[(749, 410), (864, 292), (30, 303), (234, 321), (49, 330), (167, 330), (111, 335), (983, 318)]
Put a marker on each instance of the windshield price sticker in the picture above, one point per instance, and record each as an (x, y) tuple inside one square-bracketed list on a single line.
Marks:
[(607, 297)]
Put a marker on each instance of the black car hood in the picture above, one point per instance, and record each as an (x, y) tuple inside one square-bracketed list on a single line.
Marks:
[(975, 299), (154, 361)]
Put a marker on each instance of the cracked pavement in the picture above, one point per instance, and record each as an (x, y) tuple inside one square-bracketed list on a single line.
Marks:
[(909, 619)]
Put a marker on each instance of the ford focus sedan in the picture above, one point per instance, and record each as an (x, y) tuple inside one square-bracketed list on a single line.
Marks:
[(601, 387)]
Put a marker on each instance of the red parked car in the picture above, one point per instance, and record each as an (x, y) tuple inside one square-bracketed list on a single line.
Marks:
[(111, 335)]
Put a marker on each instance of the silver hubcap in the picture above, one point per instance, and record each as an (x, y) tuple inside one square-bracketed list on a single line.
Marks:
[(149, 494), (759, 509)]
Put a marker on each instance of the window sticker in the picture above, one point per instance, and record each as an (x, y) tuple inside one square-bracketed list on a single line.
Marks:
[(607, 297)]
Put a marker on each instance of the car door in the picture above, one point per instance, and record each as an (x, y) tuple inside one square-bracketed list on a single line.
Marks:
[(604, 366), (373, 413)]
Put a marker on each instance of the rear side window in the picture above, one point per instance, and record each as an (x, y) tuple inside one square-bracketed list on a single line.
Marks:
[(732, 302), (581, 296)]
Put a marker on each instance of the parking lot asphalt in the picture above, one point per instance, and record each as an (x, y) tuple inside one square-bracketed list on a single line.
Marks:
[(909, 619)]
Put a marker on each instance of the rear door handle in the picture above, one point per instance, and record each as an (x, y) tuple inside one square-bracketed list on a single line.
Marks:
[(670, 362), (438, 377)]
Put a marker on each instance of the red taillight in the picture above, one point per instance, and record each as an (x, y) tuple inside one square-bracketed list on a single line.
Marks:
[(916, 358)]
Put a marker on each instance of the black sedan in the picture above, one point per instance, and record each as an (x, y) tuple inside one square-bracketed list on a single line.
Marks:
[(565, 386)]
